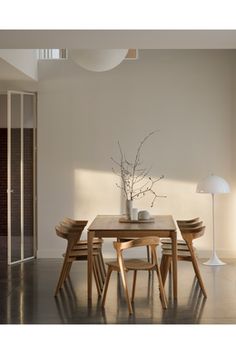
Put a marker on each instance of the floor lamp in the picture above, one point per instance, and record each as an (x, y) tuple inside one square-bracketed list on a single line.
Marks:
[(213, 185)]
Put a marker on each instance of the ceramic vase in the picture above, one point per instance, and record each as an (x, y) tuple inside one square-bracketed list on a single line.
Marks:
[(129, 206)]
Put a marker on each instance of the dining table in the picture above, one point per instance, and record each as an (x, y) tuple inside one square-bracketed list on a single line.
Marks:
[(111, 226)]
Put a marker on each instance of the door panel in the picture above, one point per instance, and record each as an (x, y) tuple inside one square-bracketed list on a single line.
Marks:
[(21, 176), (15, 177), (28, 136)]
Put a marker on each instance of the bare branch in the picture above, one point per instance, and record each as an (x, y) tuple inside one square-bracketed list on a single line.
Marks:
[(132, 176), (117, 163), (142, 175)]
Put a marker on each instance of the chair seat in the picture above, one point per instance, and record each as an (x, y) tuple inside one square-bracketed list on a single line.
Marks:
[(85, 242), (182, 250), (168, 241), (78, 253), (180, 247), (179, 253), (132, 264), (85, 247)]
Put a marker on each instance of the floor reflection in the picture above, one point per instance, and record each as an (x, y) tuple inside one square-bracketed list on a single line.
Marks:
[(27, 297), (189, 310), (148, 308), (143, 305), (20, 300), (71, 307)]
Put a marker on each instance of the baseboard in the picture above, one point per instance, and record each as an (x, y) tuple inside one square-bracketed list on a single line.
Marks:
[(220, 253), (50, 253)]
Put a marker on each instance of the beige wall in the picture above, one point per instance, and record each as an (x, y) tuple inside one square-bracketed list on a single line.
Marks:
[(186, 95)]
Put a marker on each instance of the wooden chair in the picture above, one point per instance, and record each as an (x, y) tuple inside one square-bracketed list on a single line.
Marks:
[(71, 223), (185, 250), (122, 266), (77, 250)]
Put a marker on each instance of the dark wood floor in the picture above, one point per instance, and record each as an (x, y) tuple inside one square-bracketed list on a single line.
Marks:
[(27, 297)]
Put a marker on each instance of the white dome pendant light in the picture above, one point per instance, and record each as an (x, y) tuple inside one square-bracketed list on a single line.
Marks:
[(98, 59)]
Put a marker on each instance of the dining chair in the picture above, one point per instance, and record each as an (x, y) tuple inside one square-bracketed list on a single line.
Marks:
[(122, 266), (185, 249), (80, 253), (77, 250), (71, 223)]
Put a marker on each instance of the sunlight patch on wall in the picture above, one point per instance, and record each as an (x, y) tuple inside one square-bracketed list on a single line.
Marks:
[(95, 193)]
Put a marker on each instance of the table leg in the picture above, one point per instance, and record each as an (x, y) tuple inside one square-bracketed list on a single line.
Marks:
[(174, 262), (90, 263)]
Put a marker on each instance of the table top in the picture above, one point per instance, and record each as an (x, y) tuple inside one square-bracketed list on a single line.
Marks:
[(111, 222)]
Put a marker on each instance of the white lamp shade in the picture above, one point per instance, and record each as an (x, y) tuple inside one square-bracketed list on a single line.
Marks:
[(213, 184), (98, 59)]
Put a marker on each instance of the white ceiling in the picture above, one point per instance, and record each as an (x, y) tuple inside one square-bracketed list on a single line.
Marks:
[(141, 39)]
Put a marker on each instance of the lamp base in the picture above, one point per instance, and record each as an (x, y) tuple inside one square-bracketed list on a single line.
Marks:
[(214, 261)]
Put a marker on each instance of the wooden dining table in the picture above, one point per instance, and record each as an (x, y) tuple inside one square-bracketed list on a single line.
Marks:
[(109, 226)]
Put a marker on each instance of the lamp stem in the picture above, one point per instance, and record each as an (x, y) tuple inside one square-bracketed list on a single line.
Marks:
[(213, 223), (214, 260)]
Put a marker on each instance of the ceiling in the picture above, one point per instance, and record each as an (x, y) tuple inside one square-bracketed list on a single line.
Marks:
[(140, 39), (9, 72)]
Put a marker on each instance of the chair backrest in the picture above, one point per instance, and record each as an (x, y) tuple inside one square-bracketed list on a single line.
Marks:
[(188, 221), (61, 232), (71, 228), (190, 225), (189, 234), (69, 232), (73, 222), (139, 242), (151, 241)]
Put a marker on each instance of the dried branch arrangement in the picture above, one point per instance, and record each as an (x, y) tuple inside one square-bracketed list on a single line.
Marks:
[(135, 179)]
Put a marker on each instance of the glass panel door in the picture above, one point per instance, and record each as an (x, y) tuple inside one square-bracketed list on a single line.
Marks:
[(14, 176), (3, 177), (28, 146), (21, 176)]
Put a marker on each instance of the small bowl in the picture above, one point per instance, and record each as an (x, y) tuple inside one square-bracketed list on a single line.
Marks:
[(143, 215)]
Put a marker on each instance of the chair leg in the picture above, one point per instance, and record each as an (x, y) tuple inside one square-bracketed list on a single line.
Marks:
[(165, 267), (162, 290), (196, 270), (64, 270), (134, 285), (109, 271), (61, 277), (124, 282), (98, 270), (148, 254), (102, 265), (149, 258), (96, 278), (68, 268)]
